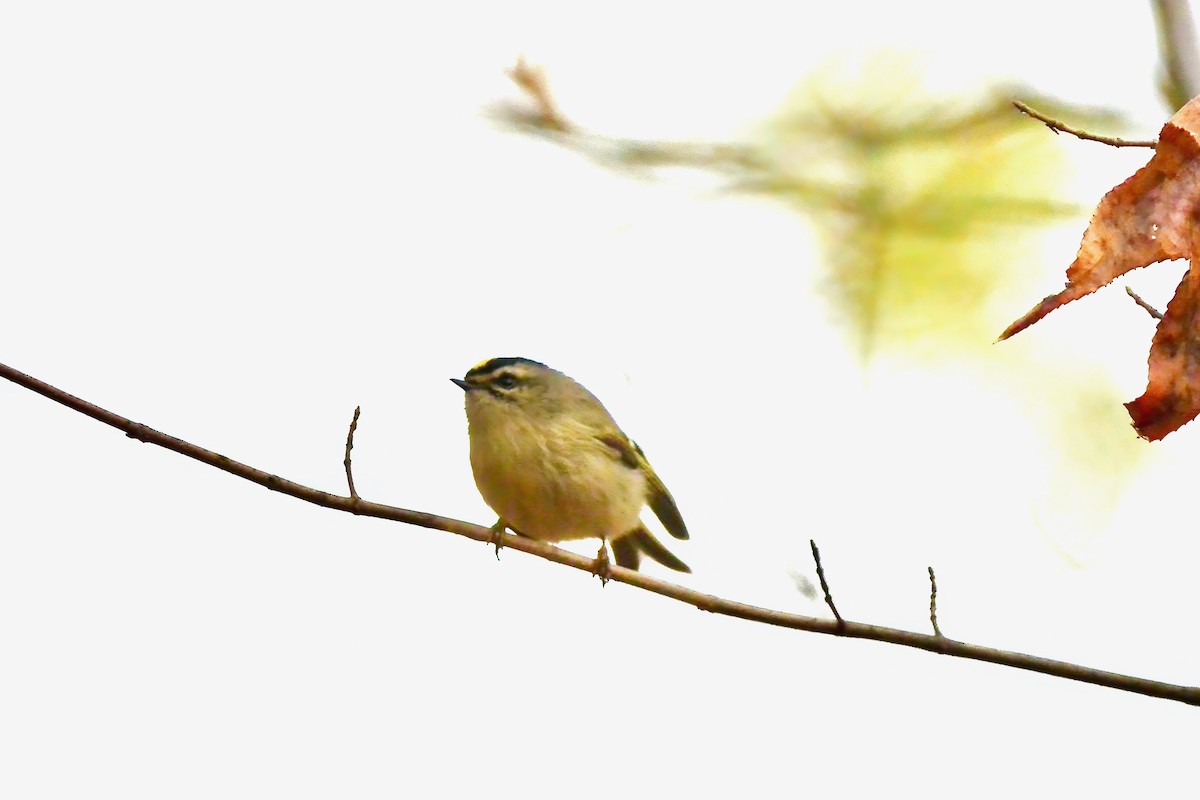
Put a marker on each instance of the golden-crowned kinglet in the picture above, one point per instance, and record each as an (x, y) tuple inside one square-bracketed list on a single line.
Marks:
[(550, 460)]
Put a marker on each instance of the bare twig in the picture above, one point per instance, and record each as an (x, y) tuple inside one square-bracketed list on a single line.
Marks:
[(825, 586), (933, 602), (1151, 310), (1178, 46), (706, 602), (349, 447), (1062, 127)]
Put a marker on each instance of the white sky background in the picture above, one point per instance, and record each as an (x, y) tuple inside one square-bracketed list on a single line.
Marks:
[(237, 221)]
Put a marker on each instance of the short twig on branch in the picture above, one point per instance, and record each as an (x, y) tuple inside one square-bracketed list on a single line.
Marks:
[(349, 447), (1151, 310), (1058, 126), (824, 585), (707, 602), (933, 602)]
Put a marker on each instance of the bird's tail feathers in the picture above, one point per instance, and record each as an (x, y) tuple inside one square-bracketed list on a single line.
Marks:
[(629, 548)]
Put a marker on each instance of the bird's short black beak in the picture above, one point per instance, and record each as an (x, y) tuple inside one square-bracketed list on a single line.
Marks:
[(466, 387)]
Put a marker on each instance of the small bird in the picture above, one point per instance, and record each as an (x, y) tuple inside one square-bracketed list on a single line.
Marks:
[(551, 461)]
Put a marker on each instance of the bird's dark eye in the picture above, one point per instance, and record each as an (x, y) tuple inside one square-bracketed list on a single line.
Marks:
[(506, 381)]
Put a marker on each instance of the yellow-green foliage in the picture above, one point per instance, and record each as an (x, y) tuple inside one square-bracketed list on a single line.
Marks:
[(922, 205)]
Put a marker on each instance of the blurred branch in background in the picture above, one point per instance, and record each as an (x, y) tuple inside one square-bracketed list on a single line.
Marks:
[(1178, 45), (914, 199)]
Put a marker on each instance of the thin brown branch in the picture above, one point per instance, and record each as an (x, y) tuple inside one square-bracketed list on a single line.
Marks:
[(349, 447), (1062, 127), (1151, 310), (933, 602), (824, 585), (705, 602), (1178, 46)]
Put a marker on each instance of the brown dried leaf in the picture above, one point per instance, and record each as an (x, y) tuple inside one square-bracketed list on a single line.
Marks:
[(1149, 218), (1172, 395)]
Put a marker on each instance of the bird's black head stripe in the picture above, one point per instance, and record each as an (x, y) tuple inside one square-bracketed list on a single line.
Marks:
[(494, 364)]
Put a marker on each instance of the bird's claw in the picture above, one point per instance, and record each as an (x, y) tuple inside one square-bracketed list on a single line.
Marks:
[(602, 568), (497, 537)]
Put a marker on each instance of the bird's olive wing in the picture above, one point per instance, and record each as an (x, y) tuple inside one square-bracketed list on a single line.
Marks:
[(660, 500)]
